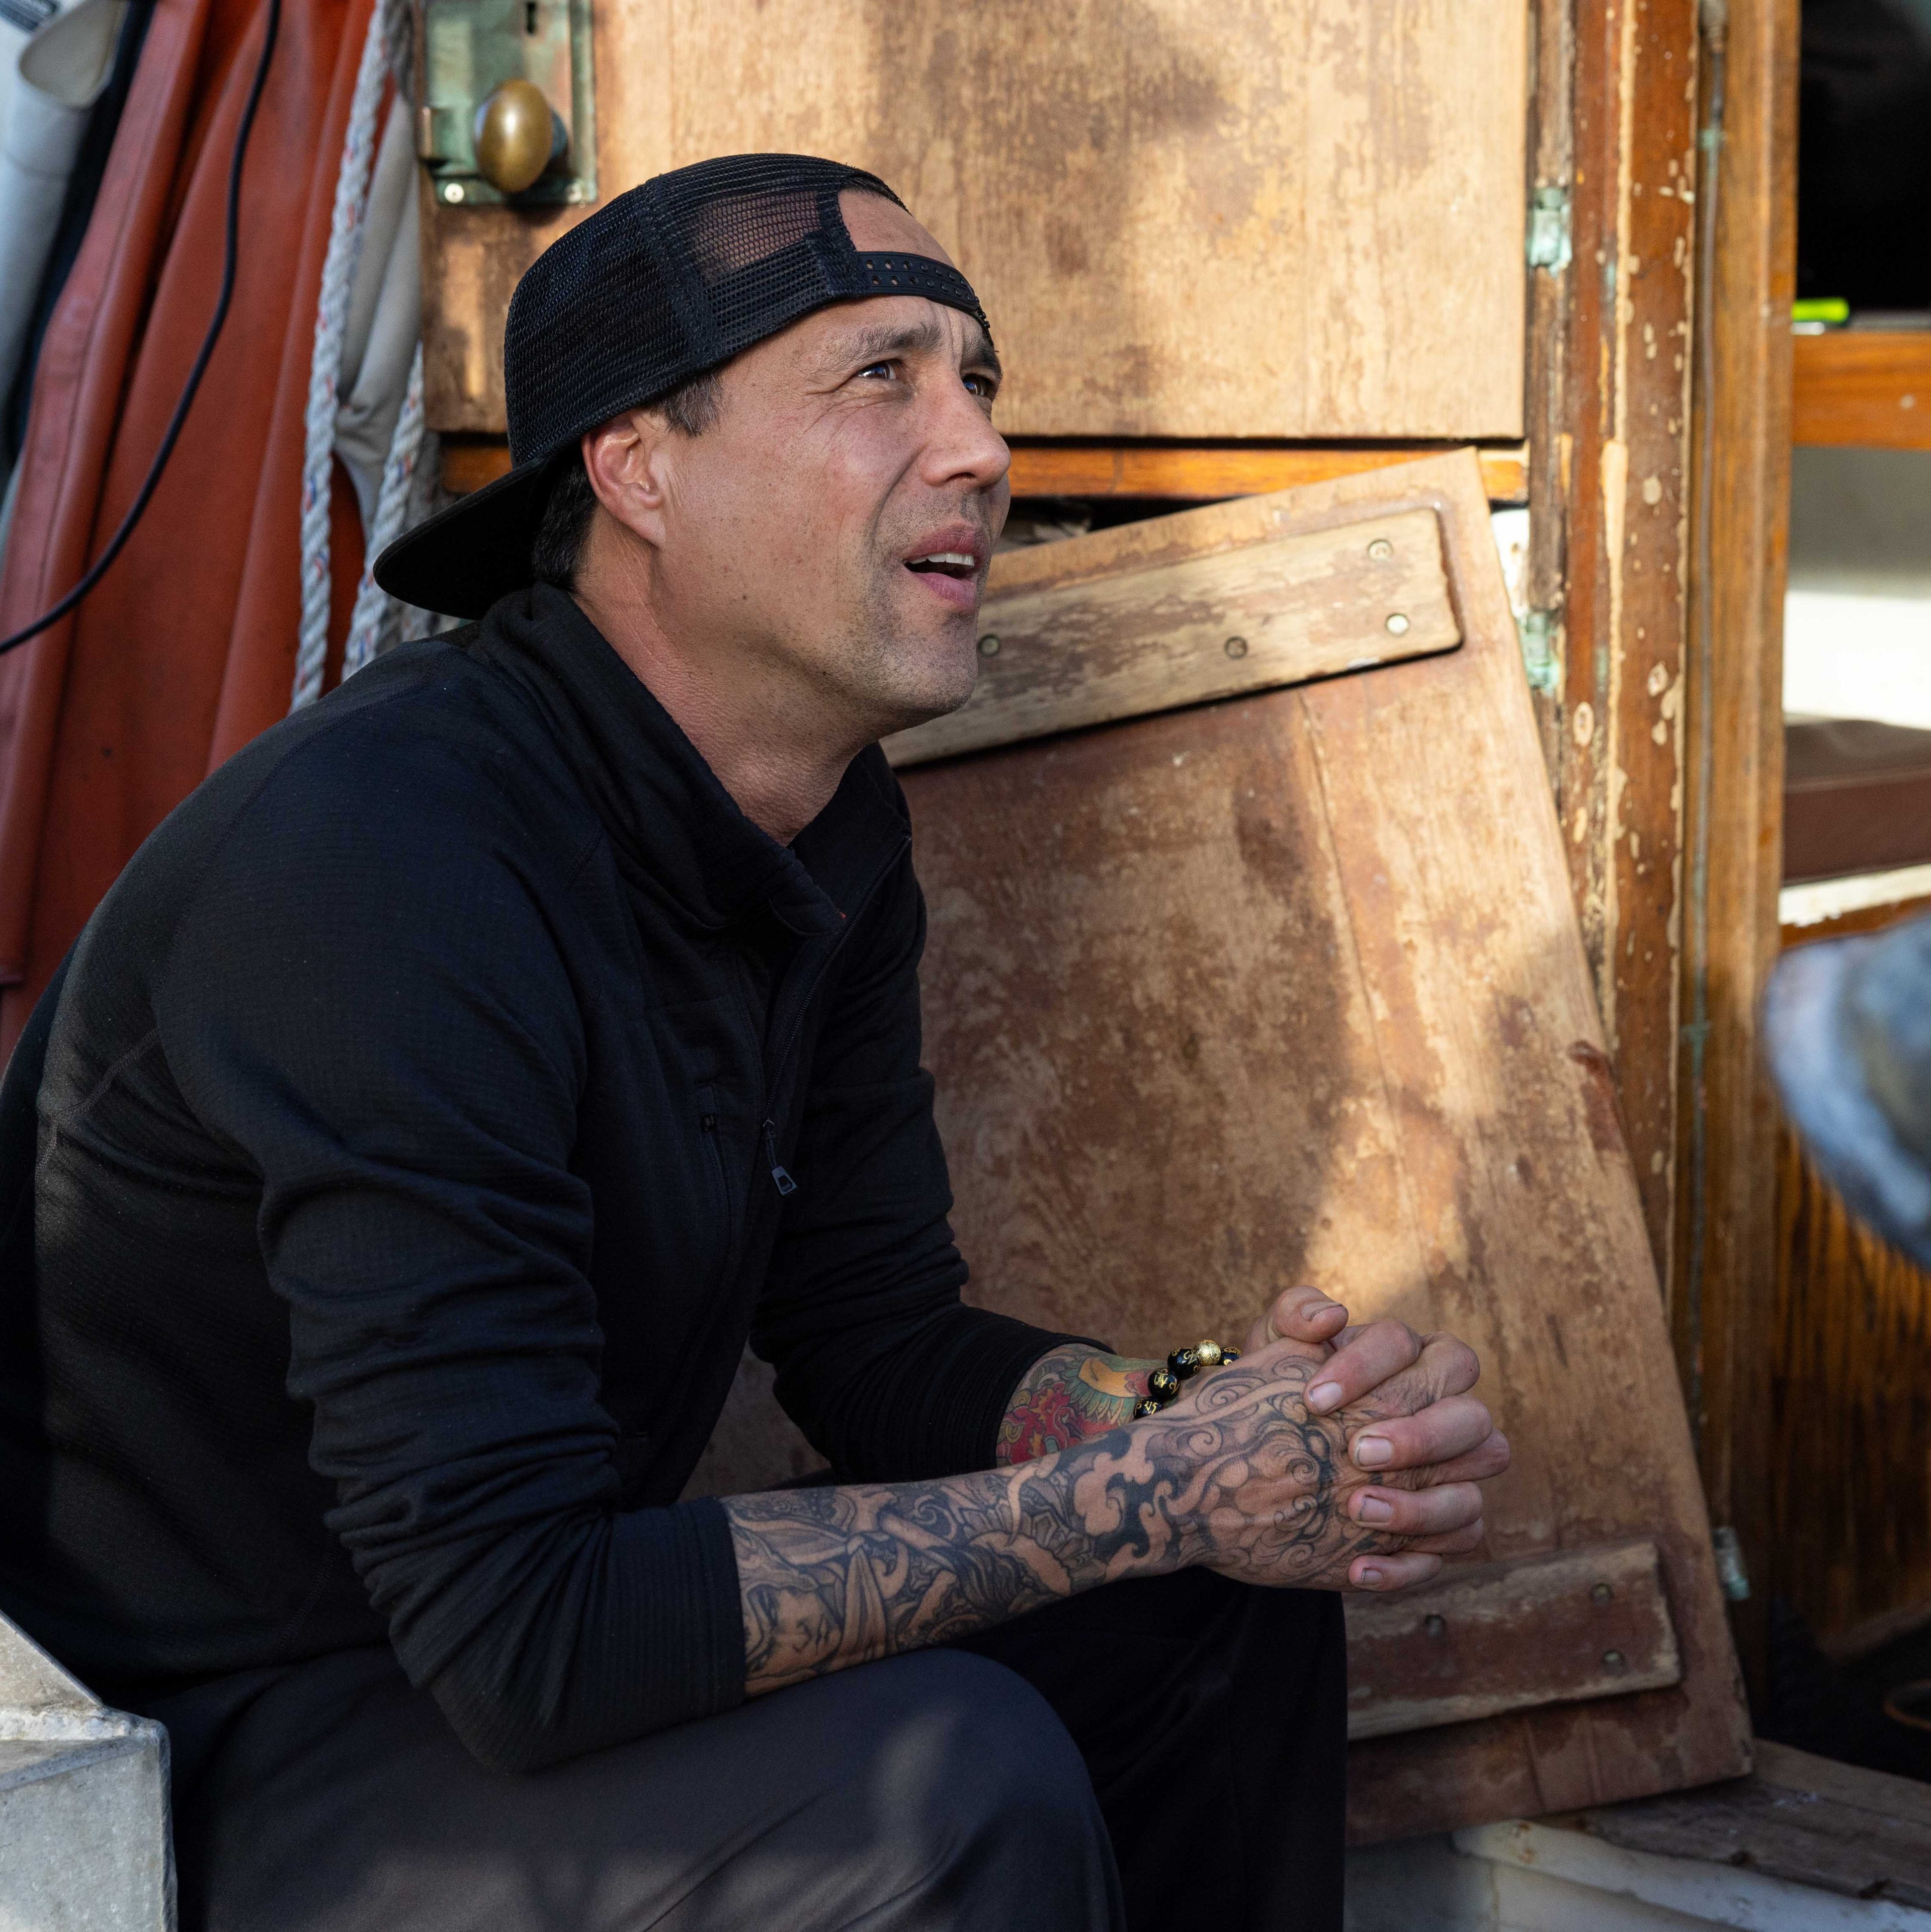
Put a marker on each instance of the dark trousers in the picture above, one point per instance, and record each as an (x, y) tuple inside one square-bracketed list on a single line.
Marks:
[(1167, 1753)]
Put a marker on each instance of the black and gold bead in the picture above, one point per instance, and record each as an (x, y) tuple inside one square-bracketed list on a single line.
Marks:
[(1163, 1385)]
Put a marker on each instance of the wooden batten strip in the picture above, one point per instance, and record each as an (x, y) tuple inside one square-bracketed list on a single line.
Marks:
[(1250, 619), (1203, 473), (1177, 472), (1553, 1629)]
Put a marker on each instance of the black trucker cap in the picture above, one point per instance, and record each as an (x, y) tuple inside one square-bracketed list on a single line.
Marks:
[(667, 281)]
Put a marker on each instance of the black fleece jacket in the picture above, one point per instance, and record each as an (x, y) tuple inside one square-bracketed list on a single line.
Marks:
[(434, 1106)]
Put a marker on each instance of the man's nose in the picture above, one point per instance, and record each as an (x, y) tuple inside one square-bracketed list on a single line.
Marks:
[(962, 446)]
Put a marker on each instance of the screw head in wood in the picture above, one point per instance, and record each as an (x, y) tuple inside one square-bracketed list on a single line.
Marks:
[(1236, 647), (1381, 550), (452, 191), (988, 646), (1613, 1662), (1434, 1625), (1601, 1594), (1397, 624)]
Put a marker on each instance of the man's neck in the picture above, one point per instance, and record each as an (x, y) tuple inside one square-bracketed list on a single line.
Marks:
[(749, 724)]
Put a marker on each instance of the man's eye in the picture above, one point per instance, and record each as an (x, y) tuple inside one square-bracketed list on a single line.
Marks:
[(982, 386), (879, 369)]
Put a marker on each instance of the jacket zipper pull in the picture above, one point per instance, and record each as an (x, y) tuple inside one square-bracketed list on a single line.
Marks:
[(780, 1179)]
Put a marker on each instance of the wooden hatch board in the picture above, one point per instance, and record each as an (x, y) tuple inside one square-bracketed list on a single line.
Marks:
[(1289, 987), (1301, 220), (1477, 1642), (1311, 605)]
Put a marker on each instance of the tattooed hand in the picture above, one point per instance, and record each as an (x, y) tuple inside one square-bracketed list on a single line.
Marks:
[(1243, 1474), (1289, 1485)]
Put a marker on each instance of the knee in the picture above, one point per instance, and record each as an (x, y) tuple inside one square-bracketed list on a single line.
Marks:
[(991, 1800)]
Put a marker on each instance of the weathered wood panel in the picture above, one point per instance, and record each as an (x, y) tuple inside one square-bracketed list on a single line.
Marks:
[(1298, 219), (1289, 988), (1838, 1827), (1510, 1636), (1209, 627)]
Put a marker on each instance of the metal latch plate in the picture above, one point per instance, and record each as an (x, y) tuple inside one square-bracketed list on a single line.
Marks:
[(471, 47)]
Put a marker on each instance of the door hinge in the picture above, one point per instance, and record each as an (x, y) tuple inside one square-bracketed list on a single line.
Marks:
[(1730, 1571), (1537, 630), (1549, 230)]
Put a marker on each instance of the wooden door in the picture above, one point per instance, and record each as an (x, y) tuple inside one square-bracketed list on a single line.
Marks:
[(1298, 218)]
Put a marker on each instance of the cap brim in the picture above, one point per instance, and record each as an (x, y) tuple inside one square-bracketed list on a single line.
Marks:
[(1820, 1079), (462, 558)]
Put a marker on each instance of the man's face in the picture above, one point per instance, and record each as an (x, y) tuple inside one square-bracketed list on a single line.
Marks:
[(836, 520)]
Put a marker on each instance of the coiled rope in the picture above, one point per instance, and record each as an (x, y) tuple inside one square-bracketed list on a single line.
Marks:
[(374, 612)]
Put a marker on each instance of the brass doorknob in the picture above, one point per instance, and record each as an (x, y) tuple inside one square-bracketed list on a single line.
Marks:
[(515, 135)]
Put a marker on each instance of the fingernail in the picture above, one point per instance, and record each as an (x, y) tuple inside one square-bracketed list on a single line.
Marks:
[(1373, 1452), (1322, 1396), (1374, 1509), (1371, 1572)]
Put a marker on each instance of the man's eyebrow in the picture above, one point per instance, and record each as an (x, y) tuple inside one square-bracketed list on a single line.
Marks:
[(980, 352), (878, 340)]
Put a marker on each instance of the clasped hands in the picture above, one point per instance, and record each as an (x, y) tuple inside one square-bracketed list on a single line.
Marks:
[(1399, 1448)]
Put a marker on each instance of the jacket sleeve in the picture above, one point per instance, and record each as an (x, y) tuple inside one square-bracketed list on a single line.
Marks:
[(889, 1375), (390, 1036)]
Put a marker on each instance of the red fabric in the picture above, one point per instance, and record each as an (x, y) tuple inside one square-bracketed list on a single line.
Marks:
[(186, 649)]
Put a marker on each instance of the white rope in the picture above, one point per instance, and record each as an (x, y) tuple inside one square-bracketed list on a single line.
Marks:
[(338, 274), (378, 618)]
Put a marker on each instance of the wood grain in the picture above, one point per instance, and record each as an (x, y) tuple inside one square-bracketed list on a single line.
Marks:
[(1289, 988), (1178, 473), (1834, 1827), (1303, 219), (1724, 1278), (1195, 472), (1866, 387), (1062, 658), (1848, 1539), (1624, 458), (1510, 1637)]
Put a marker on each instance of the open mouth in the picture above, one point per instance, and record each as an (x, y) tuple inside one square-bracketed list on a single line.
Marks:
[(952, 563)]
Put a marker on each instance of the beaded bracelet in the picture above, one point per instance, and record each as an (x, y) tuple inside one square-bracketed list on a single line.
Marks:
[(1163, 1385)]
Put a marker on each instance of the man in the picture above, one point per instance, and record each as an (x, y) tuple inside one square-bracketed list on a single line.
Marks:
[(447, 1088)]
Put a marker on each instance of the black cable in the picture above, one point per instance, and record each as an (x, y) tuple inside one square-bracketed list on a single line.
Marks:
[(230, 250)]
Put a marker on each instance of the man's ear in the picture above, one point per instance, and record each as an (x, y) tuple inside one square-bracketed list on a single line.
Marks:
[(629, 460)]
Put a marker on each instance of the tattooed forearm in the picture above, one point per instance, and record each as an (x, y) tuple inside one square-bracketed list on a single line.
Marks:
[(1068, 1396), (1238, 1475)]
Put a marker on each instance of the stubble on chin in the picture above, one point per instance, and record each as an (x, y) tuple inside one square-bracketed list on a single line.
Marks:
[(908, 676)]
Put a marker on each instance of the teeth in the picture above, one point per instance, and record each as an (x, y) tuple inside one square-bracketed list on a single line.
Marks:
[(963, 559)]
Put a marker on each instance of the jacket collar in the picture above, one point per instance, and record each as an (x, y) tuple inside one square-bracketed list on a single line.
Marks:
[(675, 828)]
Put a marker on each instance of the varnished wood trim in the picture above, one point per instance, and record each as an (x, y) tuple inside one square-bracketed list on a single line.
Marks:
[(1201, 472), (1184, 473), (1869, 388), (1724, 1285)]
